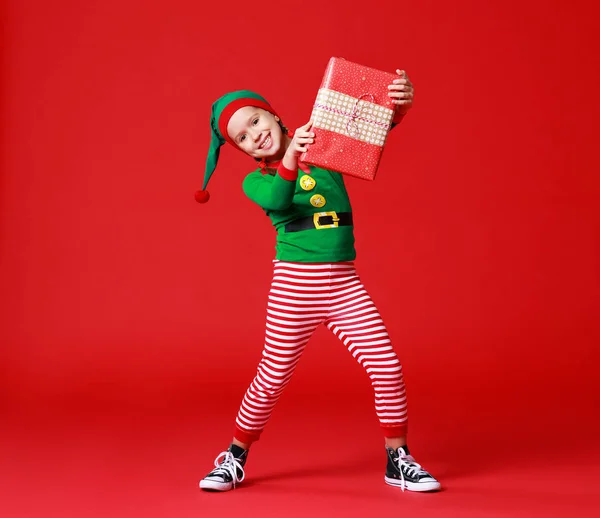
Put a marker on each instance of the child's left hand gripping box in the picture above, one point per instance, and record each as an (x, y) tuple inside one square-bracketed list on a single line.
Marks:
[(352, 116)]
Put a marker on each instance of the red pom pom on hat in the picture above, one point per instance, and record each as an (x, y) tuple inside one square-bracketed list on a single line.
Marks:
[(202, 196)]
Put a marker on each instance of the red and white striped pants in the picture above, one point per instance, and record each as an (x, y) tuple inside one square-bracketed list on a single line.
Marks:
[(302, 297)]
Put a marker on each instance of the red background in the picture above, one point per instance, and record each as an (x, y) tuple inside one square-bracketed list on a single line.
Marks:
[(132, 317)]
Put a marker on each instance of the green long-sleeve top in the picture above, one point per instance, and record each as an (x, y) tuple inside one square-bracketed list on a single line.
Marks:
[(289, 195), (285, 198)]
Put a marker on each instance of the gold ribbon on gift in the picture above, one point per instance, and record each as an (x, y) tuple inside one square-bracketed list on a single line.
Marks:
[(354, 117)]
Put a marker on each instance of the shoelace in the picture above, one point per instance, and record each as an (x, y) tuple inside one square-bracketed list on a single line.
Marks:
[(229, 465), (412, 467)]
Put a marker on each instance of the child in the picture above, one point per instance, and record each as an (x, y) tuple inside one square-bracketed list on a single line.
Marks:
[(314, 280)]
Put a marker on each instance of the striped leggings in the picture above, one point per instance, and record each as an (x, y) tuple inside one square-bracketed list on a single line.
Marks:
[(302, 296)]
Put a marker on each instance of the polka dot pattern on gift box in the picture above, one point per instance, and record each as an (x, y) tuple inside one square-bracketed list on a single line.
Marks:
[(335, 111)]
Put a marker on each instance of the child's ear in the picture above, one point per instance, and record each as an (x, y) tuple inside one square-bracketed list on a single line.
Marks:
[(276, 118)]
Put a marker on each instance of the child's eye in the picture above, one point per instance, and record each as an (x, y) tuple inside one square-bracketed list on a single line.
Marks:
[(255, 121), (243, 137)]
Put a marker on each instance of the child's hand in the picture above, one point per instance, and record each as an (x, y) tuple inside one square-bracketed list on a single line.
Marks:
[(299, 144), (402, 92), (302, 138)]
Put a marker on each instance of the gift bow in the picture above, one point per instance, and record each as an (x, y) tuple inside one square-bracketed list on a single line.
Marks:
[(354, 115)]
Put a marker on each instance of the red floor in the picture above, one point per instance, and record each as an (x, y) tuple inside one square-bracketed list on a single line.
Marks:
[(145, 461)]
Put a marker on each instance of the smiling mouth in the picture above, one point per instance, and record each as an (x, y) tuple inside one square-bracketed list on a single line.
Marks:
[(265, 143)]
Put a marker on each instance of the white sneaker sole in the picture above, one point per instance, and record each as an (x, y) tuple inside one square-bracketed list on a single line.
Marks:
[(414, 486), (215, 485)]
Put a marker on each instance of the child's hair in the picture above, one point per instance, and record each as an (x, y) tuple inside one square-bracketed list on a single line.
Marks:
[(283, 128)]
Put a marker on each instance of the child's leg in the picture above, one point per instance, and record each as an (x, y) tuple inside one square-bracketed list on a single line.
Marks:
[(354, 319), (297, 305)]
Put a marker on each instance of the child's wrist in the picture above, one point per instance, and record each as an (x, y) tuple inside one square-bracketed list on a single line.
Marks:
[(288, 171), (290, 161)]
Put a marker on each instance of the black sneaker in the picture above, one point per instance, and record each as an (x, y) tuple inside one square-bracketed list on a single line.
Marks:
[(403, 471), (229, 470)]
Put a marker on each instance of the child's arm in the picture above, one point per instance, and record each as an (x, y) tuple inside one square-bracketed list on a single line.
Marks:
[(271, 195), (299, 144), (402, 92), (397, 119), (278, 194)]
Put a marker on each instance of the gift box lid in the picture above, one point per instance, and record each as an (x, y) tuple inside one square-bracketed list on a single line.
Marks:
[(357, 80)]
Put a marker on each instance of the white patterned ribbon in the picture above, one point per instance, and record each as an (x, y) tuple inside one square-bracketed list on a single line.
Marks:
[(354, 117)]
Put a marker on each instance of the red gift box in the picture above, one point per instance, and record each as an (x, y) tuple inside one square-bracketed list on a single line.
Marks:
[(352, 116)]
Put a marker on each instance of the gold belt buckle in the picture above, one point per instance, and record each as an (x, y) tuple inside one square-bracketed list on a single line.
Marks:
[(332, 213)]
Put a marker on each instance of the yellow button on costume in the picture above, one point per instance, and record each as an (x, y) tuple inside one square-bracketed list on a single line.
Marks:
[(318, 200), (307, 182)]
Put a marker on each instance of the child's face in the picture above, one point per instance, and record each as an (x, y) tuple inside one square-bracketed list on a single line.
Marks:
[(256, 132)]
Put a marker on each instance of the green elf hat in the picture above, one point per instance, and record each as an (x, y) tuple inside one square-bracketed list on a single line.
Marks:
[(222, 110)]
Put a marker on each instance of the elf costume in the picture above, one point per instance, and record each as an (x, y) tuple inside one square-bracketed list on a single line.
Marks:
[(314, 282)]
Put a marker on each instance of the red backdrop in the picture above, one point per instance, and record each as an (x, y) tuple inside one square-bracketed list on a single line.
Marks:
[(478, 240)]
